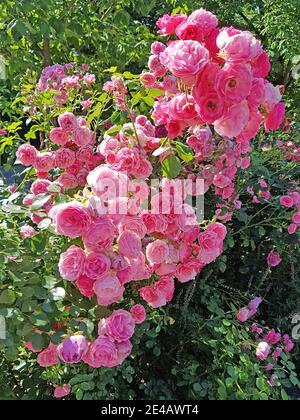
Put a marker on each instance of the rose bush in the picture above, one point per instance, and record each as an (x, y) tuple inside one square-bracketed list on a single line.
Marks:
[(106, 245)]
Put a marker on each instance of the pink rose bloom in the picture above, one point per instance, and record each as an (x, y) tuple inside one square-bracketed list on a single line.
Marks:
[(153, 297), (71, 263), (296, 218), (124, 349), (83, 136), (189, 30), (275, 117), (272, 337), (157, 48), (211, 243), (86, 104), (206, 20), (133, 224), (251, 129), (127, 160), (273, 259), (48, 357), (254, 304), (292, 228), (107, 183), (221, 181), (26, 154), (138, 313), (28, 200), (211, 107), (234, 82), (102, 353), (97, 266), (157, 252), (86, 286), (261, 66), (237, 46), (73, 349), (27, 232), (68, 181), (108, 290), (99, 236), (44, 162), (175, 129), (120, 326), (185, 59), (187, 271), (3, 132), (59, 136), (148, 79), (166, 287), (243, 314), (167, 24), (40, 186), (233, 121), (263, 350), (68, 122), (61, 391), (144, 170), (70, 219), (129, 244), (287, 201), (64, 158), (182, 107)]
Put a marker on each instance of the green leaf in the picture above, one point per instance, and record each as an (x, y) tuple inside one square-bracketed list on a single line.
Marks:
[(114, 130), (171, 167), (7, 297), (39, 201)]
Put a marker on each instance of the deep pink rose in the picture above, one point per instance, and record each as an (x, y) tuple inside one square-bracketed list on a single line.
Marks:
[(62, 391), (138, 313), (275, 117), (273, 259), (287, 201), (64, 158), (59, 136), (167, 24), (100, 235), (44, 162), (40, 186), (234, 83), (129, 244), (67, 121), (86, 286), (182, 107)]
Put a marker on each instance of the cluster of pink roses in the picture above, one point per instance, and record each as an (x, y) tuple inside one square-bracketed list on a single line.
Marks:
[(291, 151), (110, 349), (269, 345), (63, 78), (292, 201)]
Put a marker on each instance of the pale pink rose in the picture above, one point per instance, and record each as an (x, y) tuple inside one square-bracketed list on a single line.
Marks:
[(71, 263), (211, 107), (129, 244), (27, 154), (275, 117), (40, 186), (185, 59), (234, 82), (157, 252), (167, 24), (85, 153), (102, 353), (70, 219), (261, 66), (68, 122), (59, 136), (252, 128), (68, 181), (124, 349), (166, 287), (144, 169), (237, 46), (73, 349), (138, 312), (273, 259), (86, 286), (221, 181), (99, 236), (133, 224), (27, 232), (108, 290), (182, 107), (263, 350), (211, 244), (107, 183), (233, 121), (44, 162), (97, 266), (48, 357), (153, 297), (120, 326), (64, 158), (148, 79), (61, 391), (287, 201)]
